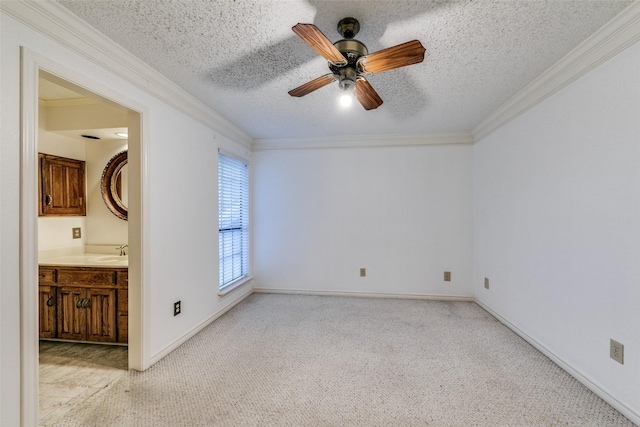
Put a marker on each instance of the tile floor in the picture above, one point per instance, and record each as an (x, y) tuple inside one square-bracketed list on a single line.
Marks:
[(71, 372)]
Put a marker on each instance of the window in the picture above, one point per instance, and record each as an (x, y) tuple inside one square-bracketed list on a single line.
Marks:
[(233, 218)]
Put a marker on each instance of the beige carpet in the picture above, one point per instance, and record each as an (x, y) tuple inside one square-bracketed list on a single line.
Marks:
[(285, 360)]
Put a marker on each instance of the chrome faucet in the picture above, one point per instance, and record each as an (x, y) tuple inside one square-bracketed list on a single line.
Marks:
[(122, 253)]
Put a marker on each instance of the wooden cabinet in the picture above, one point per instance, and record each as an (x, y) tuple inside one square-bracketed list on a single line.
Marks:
[(86, 304), (87, 314), (72, 323), (48, 317), (47, 301), (123, 315), (62, 190)]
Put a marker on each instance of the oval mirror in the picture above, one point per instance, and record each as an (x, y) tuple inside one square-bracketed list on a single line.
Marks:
[(114, 185)]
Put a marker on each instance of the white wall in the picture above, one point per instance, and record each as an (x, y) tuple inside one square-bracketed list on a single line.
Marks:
[(402, 213), (182, 209), (557, 224)]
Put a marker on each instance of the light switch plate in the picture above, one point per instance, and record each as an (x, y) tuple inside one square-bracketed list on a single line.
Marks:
[(447, 276), (486, 283), (363, 272)]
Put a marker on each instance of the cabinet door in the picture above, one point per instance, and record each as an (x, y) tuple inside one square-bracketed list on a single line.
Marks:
[(101, 315), (62, 186), (123, 315), (47, 311), (72, 318)]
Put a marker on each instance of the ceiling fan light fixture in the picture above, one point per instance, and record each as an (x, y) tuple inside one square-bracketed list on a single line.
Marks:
[(347, 85), (347, 79)]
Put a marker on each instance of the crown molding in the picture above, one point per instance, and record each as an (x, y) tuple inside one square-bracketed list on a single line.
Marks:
[(364, 141), (59, 24), (615, 36)]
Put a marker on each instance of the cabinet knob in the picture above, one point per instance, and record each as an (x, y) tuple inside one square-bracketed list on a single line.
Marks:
[(48, 199), (41, 276), (50, 302)]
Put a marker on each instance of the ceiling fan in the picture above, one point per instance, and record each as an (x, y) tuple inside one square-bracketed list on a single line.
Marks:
[(349, 61)]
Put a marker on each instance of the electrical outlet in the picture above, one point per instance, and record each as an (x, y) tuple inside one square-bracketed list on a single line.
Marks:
[(616, 351), (447, 276), (363, 272), (176, 308), (77, 232), (486, 283)]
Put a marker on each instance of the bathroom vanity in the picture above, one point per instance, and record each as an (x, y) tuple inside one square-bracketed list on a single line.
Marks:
[(84, 297)]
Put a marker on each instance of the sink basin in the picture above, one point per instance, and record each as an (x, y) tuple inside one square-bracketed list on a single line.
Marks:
[(109, 259)]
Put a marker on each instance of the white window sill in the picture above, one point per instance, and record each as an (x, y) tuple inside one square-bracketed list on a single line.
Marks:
[(234, 285)]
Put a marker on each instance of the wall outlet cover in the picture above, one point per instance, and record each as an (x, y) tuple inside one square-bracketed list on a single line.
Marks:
[(447, 276), (77, 232), (486, 283), (616, 351)]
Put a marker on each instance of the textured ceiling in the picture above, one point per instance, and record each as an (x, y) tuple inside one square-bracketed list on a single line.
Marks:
[(241, 58)]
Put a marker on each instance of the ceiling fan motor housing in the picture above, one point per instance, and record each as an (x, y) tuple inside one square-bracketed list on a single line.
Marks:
[(347, 74)]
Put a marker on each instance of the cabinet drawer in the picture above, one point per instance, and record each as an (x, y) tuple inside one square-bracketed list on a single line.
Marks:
[(92, 277), (123, 278), (46, 276)]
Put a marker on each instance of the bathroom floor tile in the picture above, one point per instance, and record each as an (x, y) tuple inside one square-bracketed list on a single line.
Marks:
[(72, 372)]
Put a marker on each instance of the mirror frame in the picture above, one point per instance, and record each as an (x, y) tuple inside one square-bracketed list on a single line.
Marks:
[(108, 185)]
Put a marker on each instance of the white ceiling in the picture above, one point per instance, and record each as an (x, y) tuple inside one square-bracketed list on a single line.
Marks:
[(54, 95), (241, 58)]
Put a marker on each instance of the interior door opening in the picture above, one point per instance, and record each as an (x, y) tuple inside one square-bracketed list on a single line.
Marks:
[(98, 306)]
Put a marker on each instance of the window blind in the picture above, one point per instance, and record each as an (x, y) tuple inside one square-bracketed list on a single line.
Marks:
[(233, 218)]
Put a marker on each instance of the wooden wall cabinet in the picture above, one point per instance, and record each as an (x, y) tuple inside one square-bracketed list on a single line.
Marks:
[(62, 190), (84, 304)]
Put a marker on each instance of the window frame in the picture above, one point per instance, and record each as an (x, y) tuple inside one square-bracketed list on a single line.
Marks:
[(234, 209)]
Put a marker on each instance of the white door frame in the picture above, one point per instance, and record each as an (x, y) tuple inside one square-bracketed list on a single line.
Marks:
[(31, 64)]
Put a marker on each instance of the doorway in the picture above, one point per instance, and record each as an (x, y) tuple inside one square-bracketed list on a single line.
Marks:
[(33, 67), (80, 130)]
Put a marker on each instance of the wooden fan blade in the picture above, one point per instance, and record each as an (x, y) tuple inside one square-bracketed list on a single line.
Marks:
[(367, 95), (320, 43), (312, 85), (394, 57)]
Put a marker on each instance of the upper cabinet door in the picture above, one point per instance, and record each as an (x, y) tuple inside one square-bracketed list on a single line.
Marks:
[(62, 186)]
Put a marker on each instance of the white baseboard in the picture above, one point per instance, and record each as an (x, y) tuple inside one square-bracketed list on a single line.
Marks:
[(586, 381), (364, 294), (177, 343)]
